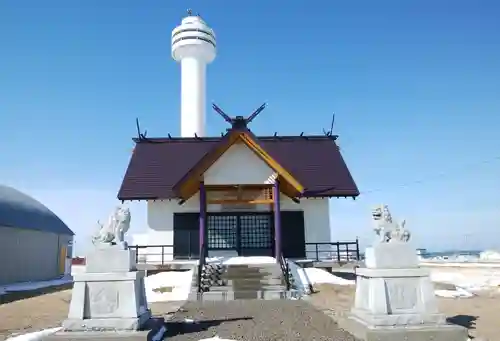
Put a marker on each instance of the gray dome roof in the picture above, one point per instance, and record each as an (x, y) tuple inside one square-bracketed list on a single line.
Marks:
[(20, 210)]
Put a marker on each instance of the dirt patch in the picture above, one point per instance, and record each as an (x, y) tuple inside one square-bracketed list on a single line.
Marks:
[(163, 289), (479, 314), (35, 313)]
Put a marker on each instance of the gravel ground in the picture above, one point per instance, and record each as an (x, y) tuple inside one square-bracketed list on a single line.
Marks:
[(479, 314), (250, 320)]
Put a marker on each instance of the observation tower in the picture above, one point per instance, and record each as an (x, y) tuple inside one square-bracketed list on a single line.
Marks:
[(193, 45)]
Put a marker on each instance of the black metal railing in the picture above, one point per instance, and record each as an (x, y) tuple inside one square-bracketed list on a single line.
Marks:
[(161, 254), (334, 251), (285, 270), (201, 264), (342, 251)]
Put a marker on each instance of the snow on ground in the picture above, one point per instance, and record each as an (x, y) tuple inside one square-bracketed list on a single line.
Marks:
[(35, 336), (242, 260), (451, 264), (490, 255), (459, 292), (320, 276), (470, 279), (168, 286)]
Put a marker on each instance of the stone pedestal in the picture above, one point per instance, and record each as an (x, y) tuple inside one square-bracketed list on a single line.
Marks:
[(109, 295), (395, 299)]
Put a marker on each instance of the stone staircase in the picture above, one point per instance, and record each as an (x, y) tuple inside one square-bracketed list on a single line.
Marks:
[(236, 282)]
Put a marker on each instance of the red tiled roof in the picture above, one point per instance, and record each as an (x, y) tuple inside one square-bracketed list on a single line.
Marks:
[(157, 164)]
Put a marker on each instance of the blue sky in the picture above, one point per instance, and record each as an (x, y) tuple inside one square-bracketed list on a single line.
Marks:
[(414, 85)]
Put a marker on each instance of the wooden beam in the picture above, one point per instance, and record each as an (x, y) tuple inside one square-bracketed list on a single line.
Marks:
[(236, 186), (237, 201)]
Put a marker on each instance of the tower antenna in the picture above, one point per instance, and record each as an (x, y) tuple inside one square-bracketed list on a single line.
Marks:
[(194, 47)]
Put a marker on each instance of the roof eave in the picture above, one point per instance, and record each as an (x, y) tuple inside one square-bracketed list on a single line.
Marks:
[(142, 197)]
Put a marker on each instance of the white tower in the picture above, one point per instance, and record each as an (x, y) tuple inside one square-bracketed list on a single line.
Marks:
[(193, 45)]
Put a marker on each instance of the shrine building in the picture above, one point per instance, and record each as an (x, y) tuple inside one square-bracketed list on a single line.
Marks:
[(241, 194), (238, 194)]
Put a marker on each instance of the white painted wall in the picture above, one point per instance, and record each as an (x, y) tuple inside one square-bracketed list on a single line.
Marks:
[(139, 239), (239, 165)]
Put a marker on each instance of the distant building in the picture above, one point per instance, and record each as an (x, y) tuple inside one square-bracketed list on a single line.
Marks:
[(35, 245)]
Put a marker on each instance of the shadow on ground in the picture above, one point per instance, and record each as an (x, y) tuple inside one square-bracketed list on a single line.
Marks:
[(179, 328), (345, 275), (466, 321), (12, 296)]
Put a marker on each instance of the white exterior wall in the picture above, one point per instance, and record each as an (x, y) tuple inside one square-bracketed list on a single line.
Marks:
[(238, 165)]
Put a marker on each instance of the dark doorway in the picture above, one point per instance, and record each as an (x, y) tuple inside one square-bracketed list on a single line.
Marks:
[(246, 233), (293, 234), (186, 235)]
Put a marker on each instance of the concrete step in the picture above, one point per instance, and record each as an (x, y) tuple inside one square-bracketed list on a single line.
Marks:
[(253, 266), (257, 280), (267, 270), (244, 295), (247, 288), (247, 273)]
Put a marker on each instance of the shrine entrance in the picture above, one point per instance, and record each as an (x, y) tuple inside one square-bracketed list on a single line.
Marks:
[(241, 233)]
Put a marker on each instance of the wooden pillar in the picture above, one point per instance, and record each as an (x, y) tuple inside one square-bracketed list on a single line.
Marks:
[(277, 220), (203, 216)]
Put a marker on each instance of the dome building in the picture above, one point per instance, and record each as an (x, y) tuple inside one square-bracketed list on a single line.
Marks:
[(35, 245)]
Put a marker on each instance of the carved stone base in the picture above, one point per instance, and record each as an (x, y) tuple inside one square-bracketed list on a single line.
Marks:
[(391, 255), (110, 258), (439, 332), (398, 304), (107, 301), (388, 297)]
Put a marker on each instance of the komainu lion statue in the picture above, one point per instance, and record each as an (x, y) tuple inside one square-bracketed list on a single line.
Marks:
[(114, 231), (386, 228)]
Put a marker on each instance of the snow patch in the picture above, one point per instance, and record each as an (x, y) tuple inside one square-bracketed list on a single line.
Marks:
[(490, 255), (472, 280), (458, 293), (35, 336), (216, 338), (241, 260), (178, 283), (320, 276), (301, 280)]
